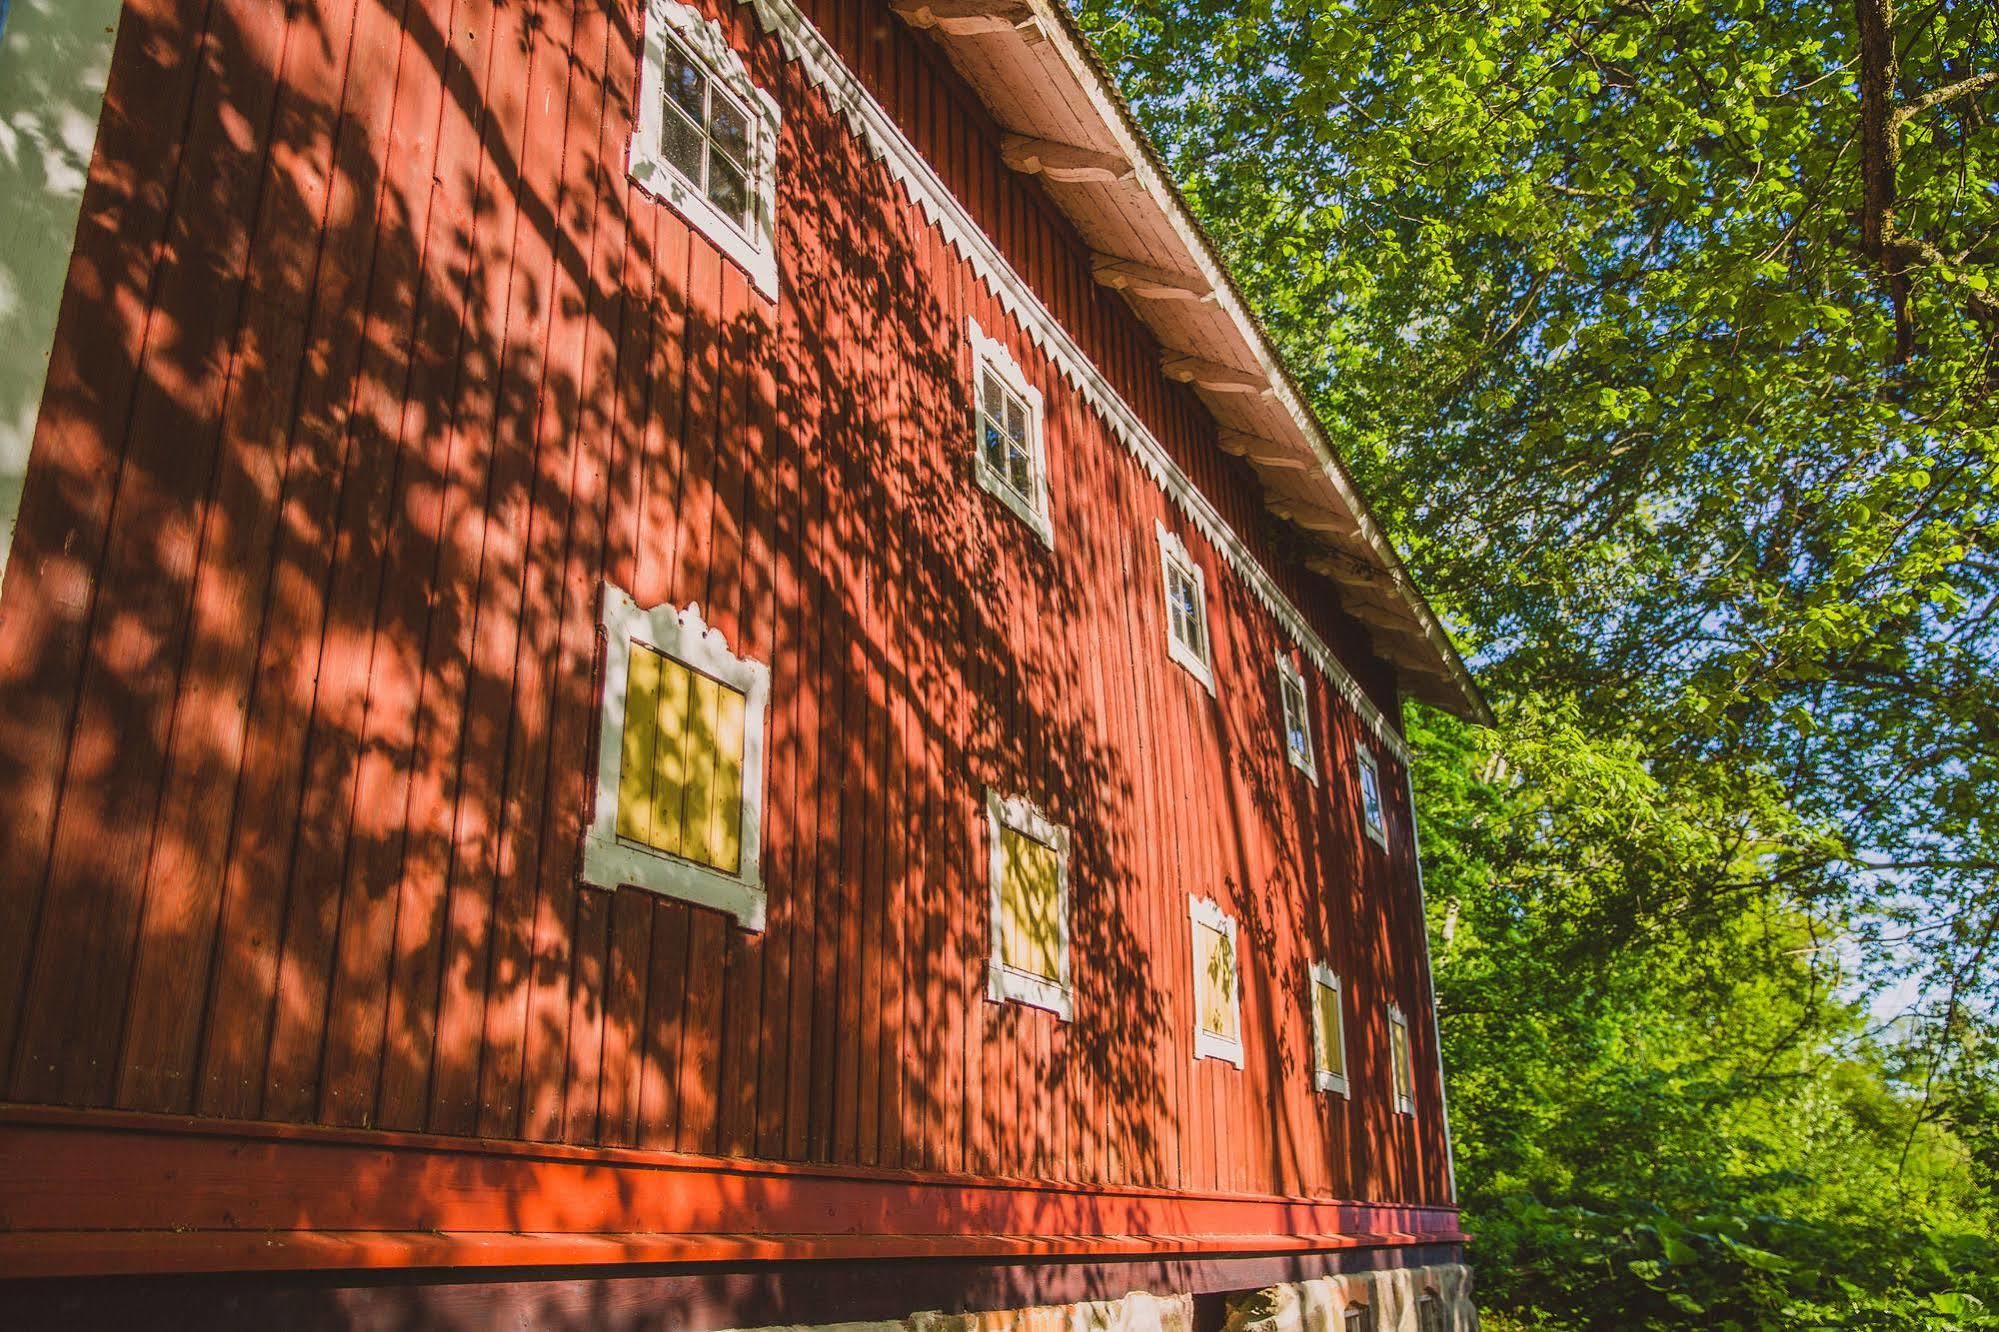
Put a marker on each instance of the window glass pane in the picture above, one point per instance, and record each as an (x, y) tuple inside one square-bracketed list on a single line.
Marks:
[(729, 126), (1030, 905), (729, 190), (685, 83), (1016, 419), (680, 143), (995, 398), (1019, 474), (1370, 797), (994, 444), (1214, 981)]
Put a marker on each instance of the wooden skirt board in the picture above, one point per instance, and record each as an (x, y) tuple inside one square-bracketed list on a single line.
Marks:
[(686, 1299), (108, 1193)]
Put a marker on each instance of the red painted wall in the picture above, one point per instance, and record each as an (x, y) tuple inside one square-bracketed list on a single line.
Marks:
[(372, 367)]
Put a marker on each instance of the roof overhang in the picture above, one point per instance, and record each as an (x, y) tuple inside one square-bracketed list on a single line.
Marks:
[(1066, 123)]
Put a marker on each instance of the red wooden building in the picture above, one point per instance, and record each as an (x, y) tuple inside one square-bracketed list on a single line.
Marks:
[(689, 664)]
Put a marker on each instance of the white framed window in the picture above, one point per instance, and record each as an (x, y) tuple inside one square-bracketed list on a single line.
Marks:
[(680, 762), (1186, 588), (1373, 814), (1010, 456), (1028, 874), (1297, 715), (706, 138), (1329, 1031), (1217, 983), (1399, 1064)]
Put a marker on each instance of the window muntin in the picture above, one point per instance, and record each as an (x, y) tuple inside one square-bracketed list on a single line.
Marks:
[(1329, 1031), (1400, 1067), (1187, 640), (1029, 882), (679, 805), (1296, 712), (1217, 984), (1009, 456), (706, 138), (1373, 815)]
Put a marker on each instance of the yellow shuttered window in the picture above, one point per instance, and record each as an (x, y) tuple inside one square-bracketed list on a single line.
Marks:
[(1329, 1038), (680, 781), (1030, 906), (1399, 1063), (680, 762), (1030, 903), (1217, 984)]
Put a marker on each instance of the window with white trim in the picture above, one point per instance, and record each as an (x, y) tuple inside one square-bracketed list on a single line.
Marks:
[(1029, 879), (1217, 983), (1186, 588), (1297, 714), (1373, 814), (1399, 1064), (1329, 1031), (680, 759), (706, 138), (1010, 459)]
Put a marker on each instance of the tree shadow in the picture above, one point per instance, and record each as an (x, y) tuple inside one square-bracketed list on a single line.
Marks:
[(367, 381)]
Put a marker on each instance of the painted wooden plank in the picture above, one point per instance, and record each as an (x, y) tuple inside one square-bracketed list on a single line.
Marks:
[(666, 990), (625, 1017), (175, 948), (94, 374)]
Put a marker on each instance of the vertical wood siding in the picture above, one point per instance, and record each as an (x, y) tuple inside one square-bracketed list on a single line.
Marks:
[(372, 367)]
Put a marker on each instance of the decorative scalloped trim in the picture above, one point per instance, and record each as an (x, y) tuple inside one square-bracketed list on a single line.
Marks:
[(875, 128)]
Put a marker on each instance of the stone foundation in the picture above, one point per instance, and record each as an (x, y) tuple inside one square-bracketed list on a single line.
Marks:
[(1394, 1295)]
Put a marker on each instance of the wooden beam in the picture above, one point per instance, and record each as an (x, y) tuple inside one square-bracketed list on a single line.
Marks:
[(1265, 452), (961, 18), (1212, 375), (1129, 275), (1065, 162)]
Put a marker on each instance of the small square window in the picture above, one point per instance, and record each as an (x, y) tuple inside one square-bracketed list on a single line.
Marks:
[(706, 138), (1398, 1061), (1358, 1318), (1186, 608), (1329, 1032), (1297, 714), (1029, 878), (1008, 454), (1373, 815), (679, 807), (1217, 984)]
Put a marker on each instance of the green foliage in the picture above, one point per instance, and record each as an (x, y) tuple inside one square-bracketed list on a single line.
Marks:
[(1665, 337)]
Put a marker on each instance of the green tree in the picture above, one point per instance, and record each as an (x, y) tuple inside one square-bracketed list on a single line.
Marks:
[(1665, 336)]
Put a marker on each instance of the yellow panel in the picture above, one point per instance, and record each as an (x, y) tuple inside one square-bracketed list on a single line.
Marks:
[(1328, 1012), (725, 830), (671, 760), (641, 738), (1398, 1047), (1214, 981), (697, 810), (1030, 905)]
